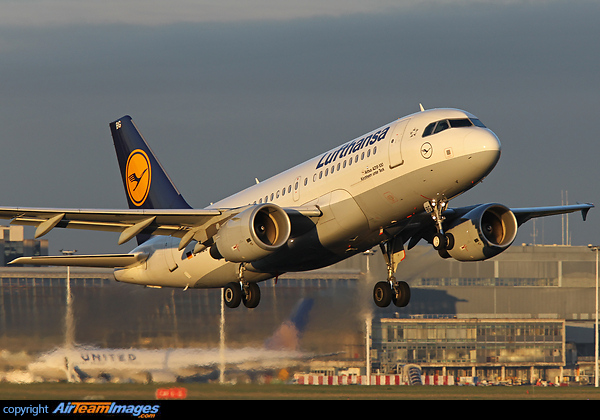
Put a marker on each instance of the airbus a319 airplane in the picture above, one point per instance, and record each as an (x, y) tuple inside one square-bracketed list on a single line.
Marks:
[(389, 187)]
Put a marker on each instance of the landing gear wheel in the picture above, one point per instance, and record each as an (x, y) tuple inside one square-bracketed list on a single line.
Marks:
[(439, 241), (251, 296), (401, 294), (443, 242), (382, 294), (449, 241), (232, 295)]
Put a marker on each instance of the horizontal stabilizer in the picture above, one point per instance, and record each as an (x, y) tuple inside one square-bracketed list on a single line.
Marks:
[(102, 260)]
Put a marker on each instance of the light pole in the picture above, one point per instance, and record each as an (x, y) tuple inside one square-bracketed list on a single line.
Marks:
[(596, 249), (222, 340), (368, 321), (69, 325), (69, 330)]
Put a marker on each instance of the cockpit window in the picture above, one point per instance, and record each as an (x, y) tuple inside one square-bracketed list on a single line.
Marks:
[(477, 123), (463, 122), (439, 126), (429, 129)]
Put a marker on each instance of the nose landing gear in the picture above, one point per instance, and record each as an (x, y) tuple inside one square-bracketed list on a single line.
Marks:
[(442, 242)]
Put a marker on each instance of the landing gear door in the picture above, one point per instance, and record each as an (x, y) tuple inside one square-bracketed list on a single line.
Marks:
[(170, 249), (395, 145)]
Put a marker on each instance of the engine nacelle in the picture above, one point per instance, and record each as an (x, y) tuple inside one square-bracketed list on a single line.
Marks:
[(482, 233), (253, 234)]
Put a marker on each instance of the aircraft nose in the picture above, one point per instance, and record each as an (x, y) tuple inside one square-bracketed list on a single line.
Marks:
[(484, 145)]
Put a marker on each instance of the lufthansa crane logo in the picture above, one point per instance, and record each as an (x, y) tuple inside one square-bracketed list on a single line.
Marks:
[(426, 150), (138, 176)]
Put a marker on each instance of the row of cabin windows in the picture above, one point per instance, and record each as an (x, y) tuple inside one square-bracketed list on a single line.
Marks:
[(340, 165), (345, 163)]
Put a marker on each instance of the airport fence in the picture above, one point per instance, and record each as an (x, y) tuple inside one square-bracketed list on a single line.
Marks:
[(308, 379)]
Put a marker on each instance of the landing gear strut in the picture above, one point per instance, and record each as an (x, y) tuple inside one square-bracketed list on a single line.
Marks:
[(442, 242), (242, 291), (392, 290)]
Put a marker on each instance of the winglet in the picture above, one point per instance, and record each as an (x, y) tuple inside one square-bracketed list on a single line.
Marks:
[(585, 211)]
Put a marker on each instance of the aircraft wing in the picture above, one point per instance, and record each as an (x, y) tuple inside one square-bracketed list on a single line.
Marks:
[(528, 213), (187, 224), (422, 226)]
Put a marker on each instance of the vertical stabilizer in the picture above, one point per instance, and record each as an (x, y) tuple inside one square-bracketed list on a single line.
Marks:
[(147, 185), (287, 336)]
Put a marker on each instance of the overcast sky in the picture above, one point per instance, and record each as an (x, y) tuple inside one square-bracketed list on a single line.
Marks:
[(232, 90)]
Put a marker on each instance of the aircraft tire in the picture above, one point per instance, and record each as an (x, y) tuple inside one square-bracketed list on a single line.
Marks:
[(401, 294), (251, 296), (439, 241), (232, 295), (449, 241), (382, 294)]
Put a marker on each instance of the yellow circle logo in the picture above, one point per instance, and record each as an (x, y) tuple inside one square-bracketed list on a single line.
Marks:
[(139, 176)]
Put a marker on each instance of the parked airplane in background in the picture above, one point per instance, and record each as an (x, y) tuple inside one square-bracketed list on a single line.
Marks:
[(388, 187), (80, 363)]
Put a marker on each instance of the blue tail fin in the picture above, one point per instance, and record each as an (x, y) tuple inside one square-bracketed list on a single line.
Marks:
[(147, 185), (289, 333)]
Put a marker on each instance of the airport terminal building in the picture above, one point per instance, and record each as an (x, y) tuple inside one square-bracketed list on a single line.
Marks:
[(13, 244), (515, 350)]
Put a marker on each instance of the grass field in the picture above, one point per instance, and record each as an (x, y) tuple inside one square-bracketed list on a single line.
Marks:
[(67, 391)]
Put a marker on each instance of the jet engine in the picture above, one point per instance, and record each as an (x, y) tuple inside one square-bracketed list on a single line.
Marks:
[(252, 234), (482, 233)]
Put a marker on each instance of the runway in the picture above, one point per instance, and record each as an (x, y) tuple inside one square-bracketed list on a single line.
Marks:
[(136, 392)]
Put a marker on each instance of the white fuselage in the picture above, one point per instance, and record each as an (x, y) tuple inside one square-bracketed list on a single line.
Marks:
[(361, 187), (158, 365)]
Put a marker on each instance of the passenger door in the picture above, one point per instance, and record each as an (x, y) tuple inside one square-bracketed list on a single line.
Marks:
[(296, 188), (395, 144)]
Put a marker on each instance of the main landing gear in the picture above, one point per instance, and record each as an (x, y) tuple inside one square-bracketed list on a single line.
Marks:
[(236, 293), (386, 292), (392, 290), (241, 291)]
